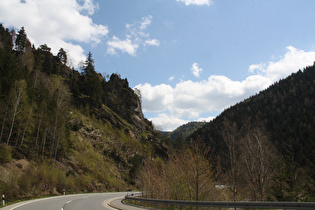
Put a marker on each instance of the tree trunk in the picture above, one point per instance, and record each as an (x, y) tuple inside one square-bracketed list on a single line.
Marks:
[(38, 129), (44, 142), (17, 102), (25, 129)]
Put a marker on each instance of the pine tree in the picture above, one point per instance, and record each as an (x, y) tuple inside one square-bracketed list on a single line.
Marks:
[(62, 55), (21, 41), (92, 83)]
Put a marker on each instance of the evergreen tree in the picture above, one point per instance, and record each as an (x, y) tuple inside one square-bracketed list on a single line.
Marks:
[(62, 55), (88, 68), (45, 48), (21, 41), (179, 142), (5, 39), (92, 83)]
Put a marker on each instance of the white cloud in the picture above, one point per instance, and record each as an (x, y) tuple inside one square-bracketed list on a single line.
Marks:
[(167, 123), (257, 67), (152, 42), (89, 7), (55, 23), (196, 2), (156, 98), (188, 99), (123, 45), (196, 70), (135, 37), (207, 119), (171, 78), (146, 21), (293, 60)]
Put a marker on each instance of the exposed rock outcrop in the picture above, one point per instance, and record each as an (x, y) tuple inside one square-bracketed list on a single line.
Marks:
[(124, 102)]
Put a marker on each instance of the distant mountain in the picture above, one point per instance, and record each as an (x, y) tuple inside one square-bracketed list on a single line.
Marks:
[(184, 130), (285, 112)]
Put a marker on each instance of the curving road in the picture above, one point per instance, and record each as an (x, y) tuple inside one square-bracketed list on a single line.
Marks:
[(93, 201)]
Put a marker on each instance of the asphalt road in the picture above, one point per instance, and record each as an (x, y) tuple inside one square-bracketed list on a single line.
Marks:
[(93, 201)]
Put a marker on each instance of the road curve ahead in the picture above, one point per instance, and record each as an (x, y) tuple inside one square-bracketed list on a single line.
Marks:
[(91, 201)]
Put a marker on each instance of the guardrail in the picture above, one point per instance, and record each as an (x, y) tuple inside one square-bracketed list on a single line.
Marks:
[(164, 204)]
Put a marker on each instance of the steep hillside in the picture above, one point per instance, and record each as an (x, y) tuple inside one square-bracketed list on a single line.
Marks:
[(285, 113), (64, 129)]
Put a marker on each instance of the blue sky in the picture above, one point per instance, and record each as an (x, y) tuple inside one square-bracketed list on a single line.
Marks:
[(191, 59)]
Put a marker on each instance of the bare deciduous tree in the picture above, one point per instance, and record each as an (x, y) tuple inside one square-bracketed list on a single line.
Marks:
[(17, 95), (187, 176), (229, 134), (258, 157)]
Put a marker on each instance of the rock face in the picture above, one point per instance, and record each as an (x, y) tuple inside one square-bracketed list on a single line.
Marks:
[(123, 101)]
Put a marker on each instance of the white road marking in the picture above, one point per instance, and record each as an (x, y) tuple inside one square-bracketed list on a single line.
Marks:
[(106, 203), (66, 204)]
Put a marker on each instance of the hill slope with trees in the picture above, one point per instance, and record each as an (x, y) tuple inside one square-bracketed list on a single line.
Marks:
[(180, 134), (281, 121), (64, 129)]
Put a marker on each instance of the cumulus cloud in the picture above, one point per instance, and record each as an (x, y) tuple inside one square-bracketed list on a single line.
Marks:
[(123, 45), (156, 98), (55, 23), (135, 38), (196, 2), (188, 100), (196, 70), (166, 122), (89, 7), (293, 60)]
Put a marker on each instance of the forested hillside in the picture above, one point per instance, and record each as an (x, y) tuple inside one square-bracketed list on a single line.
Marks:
[(281, 121), (66, 129), (179, 135)]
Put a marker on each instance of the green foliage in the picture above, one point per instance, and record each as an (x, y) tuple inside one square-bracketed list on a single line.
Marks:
[(21, 41), (185, 130), (179, 142), (62, 55), (92, 82), (5, 153), (5, 39)]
